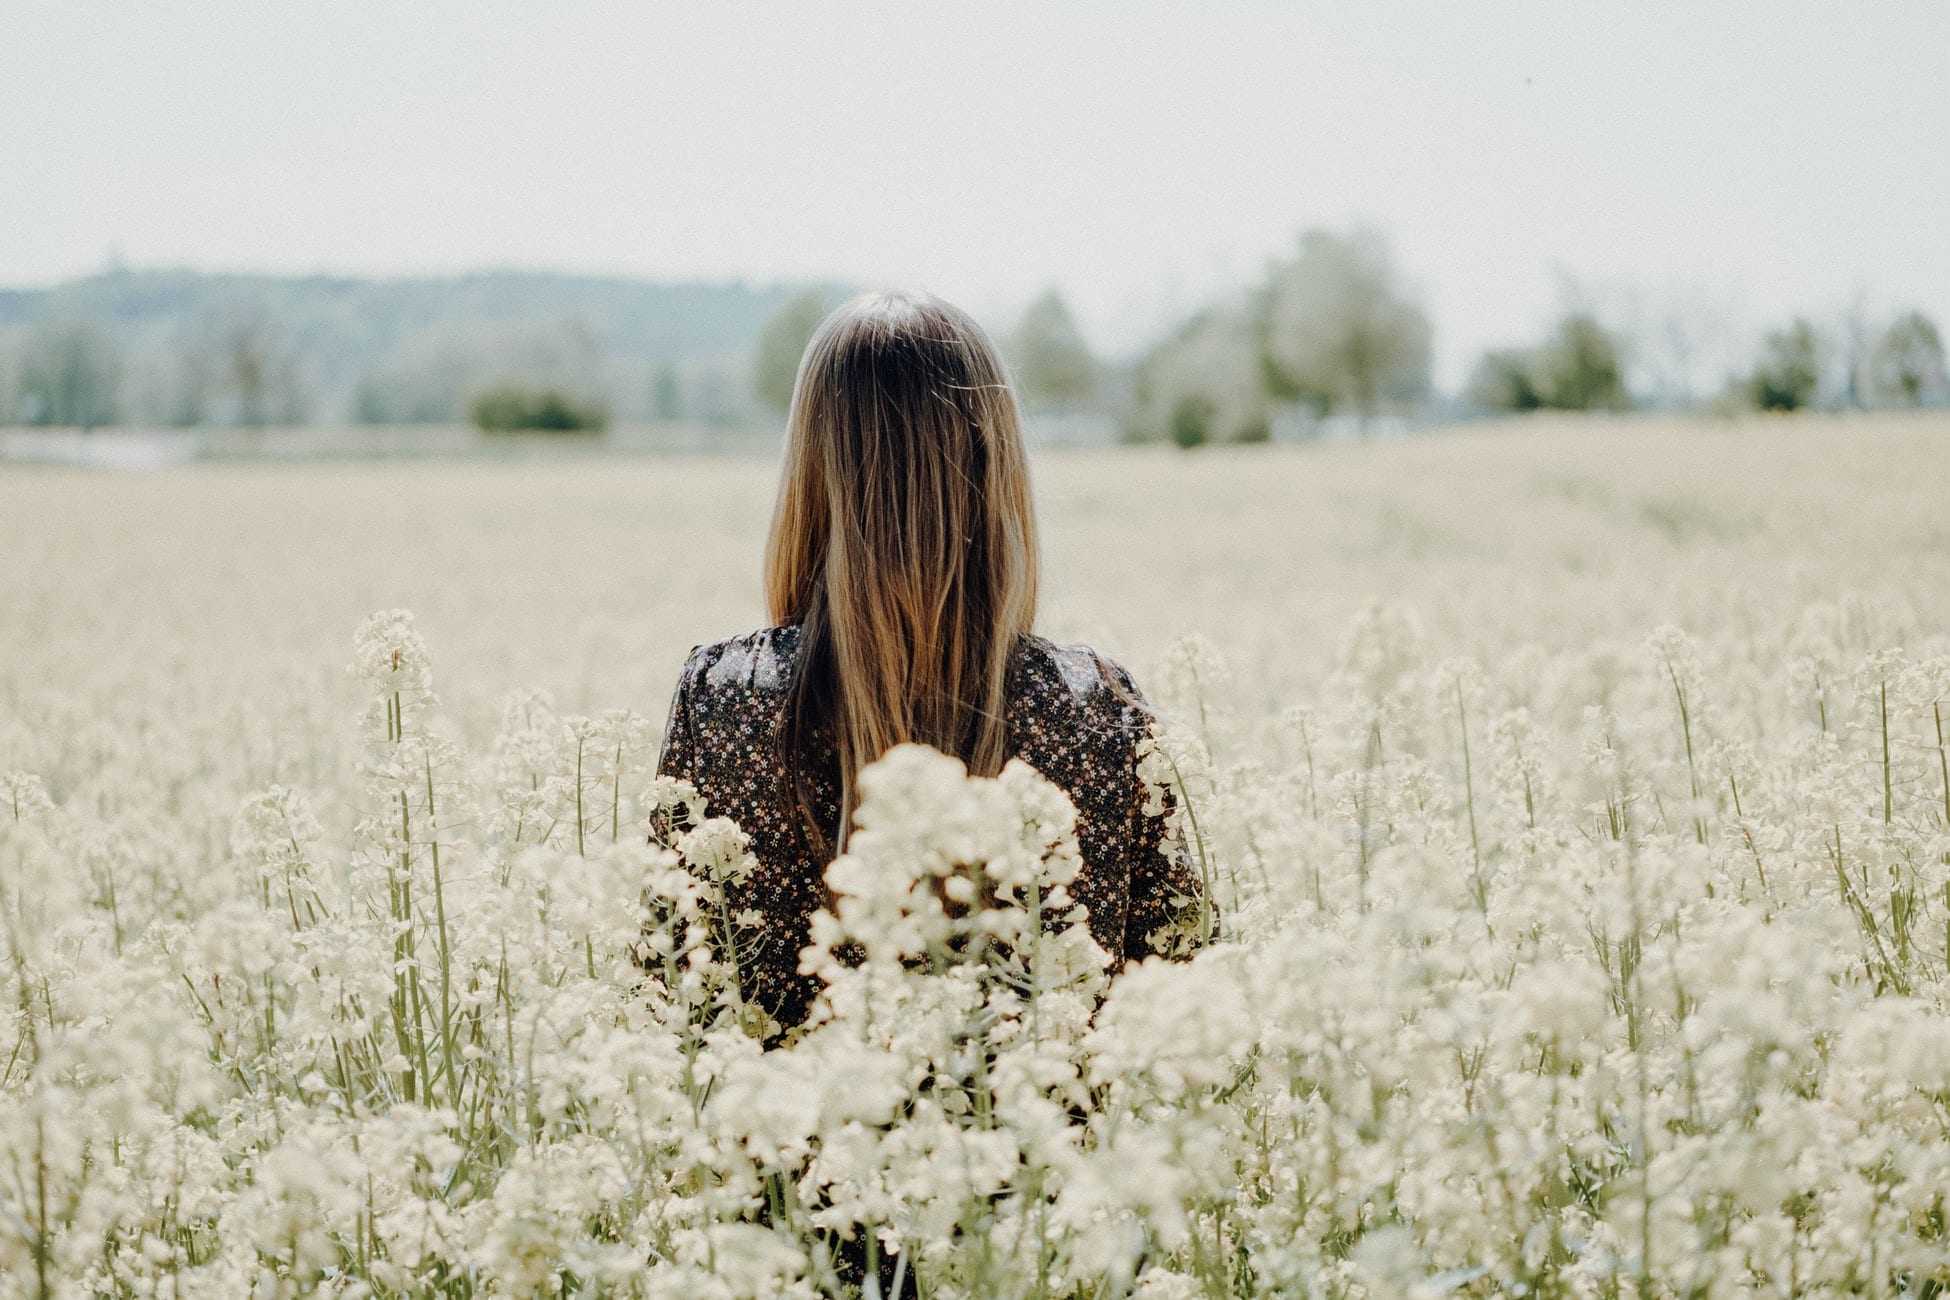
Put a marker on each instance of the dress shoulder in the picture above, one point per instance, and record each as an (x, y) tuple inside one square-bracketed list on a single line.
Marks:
[(1071, 678), (756, 662), (1092, 682)]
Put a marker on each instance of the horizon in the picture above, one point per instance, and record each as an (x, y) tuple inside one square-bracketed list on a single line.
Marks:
[(1143, 162)]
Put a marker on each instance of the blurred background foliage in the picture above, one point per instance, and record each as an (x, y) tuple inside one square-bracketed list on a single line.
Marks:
[(1332, 340)]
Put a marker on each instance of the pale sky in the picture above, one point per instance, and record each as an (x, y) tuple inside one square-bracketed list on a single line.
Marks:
[(1739, 161)]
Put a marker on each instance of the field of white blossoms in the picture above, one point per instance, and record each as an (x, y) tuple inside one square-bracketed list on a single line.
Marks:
[(1577, 799)]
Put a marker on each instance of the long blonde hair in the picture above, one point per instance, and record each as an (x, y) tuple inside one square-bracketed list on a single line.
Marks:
[(903, 542)]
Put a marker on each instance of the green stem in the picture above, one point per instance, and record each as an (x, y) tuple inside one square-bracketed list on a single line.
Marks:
[(1942, 758), (446, 951), (1469, 799), (1888, 789)]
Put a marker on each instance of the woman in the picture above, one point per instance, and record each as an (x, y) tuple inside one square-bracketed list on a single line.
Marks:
[(901, 574)]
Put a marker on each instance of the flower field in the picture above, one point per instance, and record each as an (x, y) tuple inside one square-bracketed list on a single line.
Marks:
[(1576, 798)]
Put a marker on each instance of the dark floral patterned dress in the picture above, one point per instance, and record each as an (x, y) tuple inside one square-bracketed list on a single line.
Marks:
[(1074, 715)]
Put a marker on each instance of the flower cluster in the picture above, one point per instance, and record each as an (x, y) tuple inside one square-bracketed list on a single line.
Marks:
[(1621, 969)]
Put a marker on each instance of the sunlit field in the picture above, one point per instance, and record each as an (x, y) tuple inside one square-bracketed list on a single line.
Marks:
[(1575, 797)]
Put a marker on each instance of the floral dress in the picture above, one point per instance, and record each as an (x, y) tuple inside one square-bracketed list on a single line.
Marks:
[(1073, 714)]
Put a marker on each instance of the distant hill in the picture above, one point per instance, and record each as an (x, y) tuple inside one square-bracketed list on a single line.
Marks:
[(405, 348)]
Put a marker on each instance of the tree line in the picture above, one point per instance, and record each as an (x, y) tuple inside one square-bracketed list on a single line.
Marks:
[(1799, 366), (1329, 333), (1332, 332), (159, 348)]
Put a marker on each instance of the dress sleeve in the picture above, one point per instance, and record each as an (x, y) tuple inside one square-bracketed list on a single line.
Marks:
[(1170, 913), (679, 757)]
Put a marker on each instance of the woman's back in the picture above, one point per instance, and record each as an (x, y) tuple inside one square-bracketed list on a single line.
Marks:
[(901, 572), (1072, 714)]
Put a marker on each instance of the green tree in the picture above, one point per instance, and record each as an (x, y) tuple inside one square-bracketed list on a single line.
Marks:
[(1582, 368), (70, 373), (434, 373), (1338, 329), (781, 344), (1506, 379), (1054, 367), (513, 408), (1578, 368), (1907, 362), (1203, 384), (1788, 374)]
